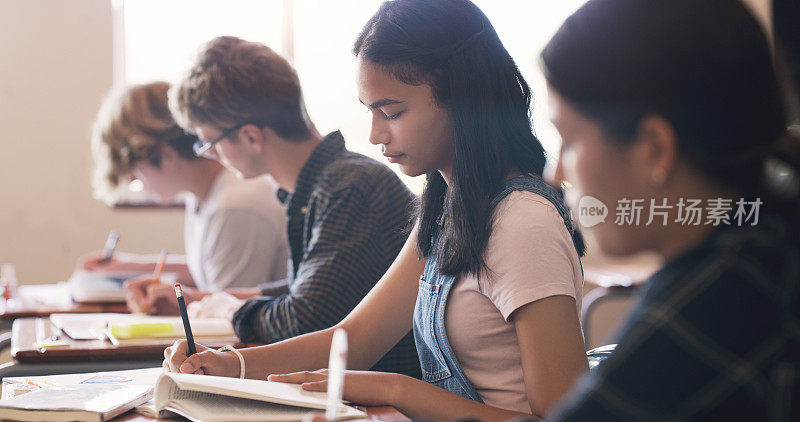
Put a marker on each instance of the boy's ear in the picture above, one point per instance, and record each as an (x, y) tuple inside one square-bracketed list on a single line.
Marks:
[(169, 157), (254, 137)]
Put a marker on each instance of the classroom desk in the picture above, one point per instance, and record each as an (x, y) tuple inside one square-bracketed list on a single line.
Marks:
[(10, 313), (27, 331), (79, 356), (374, 413), (35, 306)]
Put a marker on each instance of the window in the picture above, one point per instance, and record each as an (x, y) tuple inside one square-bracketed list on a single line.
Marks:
[(158, 39), (525, 28)]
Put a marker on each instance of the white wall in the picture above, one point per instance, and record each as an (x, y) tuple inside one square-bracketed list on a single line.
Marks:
[(55, 66)]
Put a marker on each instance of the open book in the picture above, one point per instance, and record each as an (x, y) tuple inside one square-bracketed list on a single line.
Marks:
[(82, 402), (204, 398)]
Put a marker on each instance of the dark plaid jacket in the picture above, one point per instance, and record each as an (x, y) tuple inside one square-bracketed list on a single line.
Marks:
[(716, 336), (347, 220)]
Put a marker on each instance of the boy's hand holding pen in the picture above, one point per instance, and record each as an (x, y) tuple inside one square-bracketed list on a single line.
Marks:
[(148, 295), (156, 281), (105, 259), (162, 260)]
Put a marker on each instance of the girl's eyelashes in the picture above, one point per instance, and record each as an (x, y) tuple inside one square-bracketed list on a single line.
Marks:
[(392, 116), (384, 115), (388, 116)]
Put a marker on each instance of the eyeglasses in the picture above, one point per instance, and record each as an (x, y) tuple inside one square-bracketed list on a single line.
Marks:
[(202, 149)]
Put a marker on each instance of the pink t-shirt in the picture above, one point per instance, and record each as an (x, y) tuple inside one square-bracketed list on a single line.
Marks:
[(531, 256)]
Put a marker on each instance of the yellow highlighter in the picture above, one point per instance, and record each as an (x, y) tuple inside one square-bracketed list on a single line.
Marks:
[(125, 330)]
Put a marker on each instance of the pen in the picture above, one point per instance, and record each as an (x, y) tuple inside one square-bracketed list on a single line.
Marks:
[(111, 244), (185, 317), (162, 260), (336, 367)]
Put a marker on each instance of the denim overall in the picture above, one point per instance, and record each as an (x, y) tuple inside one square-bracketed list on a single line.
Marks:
[(437, 359)]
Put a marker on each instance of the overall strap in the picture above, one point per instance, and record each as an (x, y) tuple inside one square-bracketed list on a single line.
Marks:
[(538, 186)]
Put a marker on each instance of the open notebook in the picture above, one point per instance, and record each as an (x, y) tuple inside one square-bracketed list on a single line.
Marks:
[(204, 398), (134, 329)]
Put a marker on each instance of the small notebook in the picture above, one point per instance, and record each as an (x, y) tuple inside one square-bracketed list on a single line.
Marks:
[(204, 398), (83, 402), (105, 286)]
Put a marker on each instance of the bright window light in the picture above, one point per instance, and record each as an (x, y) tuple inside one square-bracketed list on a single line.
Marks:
[(162, 37)]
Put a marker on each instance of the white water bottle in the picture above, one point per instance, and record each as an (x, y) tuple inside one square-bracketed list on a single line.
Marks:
[(8, 280)]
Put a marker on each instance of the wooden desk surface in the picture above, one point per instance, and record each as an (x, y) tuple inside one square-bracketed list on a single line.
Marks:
[(31, 306), (12, 313), (26, 332), (376, 413)]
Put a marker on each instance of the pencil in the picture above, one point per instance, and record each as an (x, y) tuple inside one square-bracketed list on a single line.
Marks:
[(162, 260), (185, 317)]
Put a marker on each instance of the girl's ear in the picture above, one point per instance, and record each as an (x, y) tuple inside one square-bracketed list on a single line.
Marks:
[(655, 150)]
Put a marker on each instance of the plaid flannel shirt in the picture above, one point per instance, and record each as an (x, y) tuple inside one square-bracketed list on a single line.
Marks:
[(716, 336)]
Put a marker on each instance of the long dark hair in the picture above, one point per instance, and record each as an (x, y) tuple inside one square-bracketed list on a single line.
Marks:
[(704, 66), (451, 46)]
